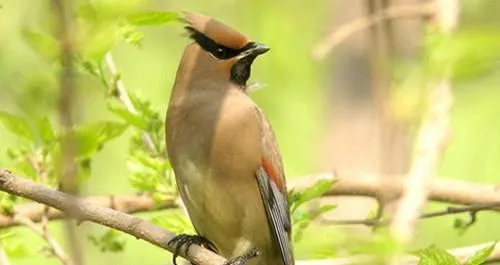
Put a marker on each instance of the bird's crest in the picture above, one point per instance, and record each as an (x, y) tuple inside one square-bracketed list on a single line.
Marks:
[(205, 29)]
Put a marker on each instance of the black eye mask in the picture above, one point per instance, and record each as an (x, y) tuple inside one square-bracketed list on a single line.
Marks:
[(219, 51)]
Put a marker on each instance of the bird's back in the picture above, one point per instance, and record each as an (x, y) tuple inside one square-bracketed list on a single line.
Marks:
[(214, 187)]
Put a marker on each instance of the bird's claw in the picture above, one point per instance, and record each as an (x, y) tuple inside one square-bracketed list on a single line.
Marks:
[(241, 260), (184, 240)]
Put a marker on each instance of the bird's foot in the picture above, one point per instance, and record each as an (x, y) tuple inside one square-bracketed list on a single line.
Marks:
[(241, 260), (186, 241)]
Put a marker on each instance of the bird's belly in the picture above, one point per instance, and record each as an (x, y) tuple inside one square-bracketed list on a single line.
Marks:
[(227, 211)]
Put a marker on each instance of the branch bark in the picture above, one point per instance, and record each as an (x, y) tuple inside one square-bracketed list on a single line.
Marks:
[(82, 210), (123, 203), (370, 185), (347, 184), (472, 210)]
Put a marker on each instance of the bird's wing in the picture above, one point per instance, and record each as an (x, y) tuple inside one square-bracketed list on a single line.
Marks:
[(272, 186)]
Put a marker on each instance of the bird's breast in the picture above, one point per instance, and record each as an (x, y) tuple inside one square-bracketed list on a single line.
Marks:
[(216, 150)]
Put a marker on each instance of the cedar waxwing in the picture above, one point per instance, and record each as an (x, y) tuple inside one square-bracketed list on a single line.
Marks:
[(223, 151)]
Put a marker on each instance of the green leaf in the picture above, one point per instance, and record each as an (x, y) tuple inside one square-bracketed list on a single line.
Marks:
[(110, 241), (434, 255), (99, 38), (135, 120), (155, 122), (317, 190), (324, 209), (43, 44), (107, 10), (24, 167), (7, 202), (84, 169), (152, 18), (148, 173), (301, 219), (14, 245), (90, 66), (468, 53), (481, 255), (462, 226), (19, 162), (16, 125), (45, 130), (134, 38), (91, 138), (176, 222), (87, 12)]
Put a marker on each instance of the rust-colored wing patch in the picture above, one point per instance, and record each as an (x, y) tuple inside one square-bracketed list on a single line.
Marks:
[(272, 187), (273, 173)]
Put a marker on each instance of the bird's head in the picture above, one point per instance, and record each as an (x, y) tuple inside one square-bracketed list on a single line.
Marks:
[(221, 48)]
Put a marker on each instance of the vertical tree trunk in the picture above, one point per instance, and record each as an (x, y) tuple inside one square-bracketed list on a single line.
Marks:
[(362, 133)]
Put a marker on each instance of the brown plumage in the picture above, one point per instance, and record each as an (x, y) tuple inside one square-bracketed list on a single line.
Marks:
[(222, 148), (215, 30)]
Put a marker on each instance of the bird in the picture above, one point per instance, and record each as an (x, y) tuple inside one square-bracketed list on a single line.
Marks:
[(223, 151)]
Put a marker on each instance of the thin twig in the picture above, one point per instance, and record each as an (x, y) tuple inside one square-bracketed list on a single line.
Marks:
[(122, 95), (344, 32), (37, 166), (55, 248), (472, 209), (43, 177)]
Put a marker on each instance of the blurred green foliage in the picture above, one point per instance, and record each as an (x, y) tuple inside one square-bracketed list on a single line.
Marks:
[(147, 44), (434, 255)]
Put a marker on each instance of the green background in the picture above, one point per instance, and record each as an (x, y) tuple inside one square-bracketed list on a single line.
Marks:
[(294, 97)]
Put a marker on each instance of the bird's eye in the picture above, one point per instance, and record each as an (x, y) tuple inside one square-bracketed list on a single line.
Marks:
[(220, 52)]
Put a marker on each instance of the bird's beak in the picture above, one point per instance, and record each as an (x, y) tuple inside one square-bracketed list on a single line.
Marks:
[(256, 50), (259, 49)]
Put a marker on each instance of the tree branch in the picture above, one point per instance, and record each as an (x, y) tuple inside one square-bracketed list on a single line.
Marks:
[(346, 184), (370, 185), (123, 203), (87, 211), (344, 32), (84, 211), (472, 209)]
